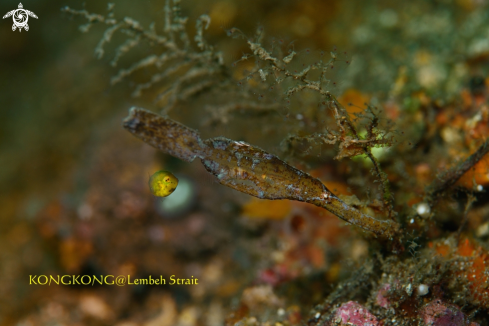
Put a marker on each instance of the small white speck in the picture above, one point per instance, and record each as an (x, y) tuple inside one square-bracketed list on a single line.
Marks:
[(423, 289), (480, 188), (411, 221), (317, 315), (423, 209), (409, 289), (281, 312), (299, 116)]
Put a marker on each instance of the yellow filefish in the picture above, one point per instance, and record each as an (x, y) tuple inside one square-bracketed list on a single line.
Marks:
[(162, 183)]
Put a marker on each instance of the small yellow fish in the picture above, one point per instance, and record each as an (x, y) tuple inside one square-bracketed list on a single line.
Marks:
[(162, 183)]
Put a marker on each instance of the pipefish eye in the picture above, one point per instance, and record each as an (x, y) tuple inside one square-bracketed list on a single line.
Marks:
[(162, 183)]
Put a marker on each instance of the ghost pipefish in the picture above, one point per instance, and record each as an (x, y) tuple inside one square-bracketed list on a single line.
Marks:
[(248, 169)]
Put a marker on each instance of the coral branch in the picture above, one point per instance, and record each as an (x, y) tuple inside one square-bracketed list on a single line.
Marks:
[(448, 179), (247, 168), (352, 144), (204, 62)]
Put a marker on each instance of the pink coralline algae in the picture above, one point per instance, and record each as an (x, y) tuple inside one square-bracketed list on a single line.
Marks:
[(438, 313), (353, 313), (381, 299)]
